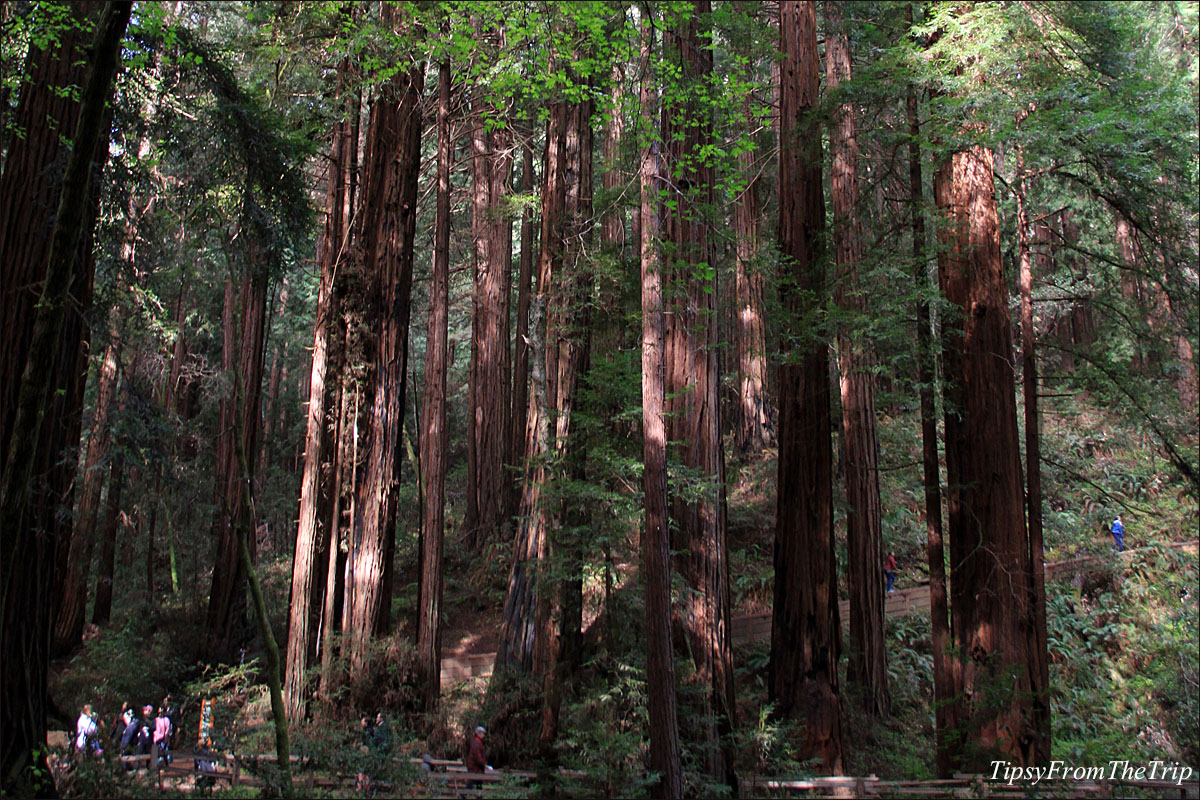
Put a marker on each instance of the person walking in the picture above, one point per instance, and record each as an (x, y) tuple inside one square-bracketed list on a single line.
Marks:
[(889, 569), (477, 757), (1118, 534), (86, 730), (162, 735)]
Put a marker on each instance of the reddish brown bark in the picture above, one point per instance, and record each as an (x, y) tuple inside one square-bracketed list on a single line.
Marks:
[(656, 539), (386, 236), (491, 165), (804, 624), (522, 634), (692, 383), (29, 546), (519, 394), (315, 527), (1039, 665), (434, 434), (989, 555), (755, 426), (856, 362), (244, 323), (945, 676)]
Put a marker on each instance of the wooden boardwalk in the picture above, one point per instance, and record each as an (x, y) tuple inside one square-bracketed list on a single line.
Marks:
[(758, 626)]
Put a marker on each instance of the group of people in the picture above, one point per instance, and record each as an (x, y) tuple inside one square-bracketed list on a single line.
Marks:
[(131, 734)]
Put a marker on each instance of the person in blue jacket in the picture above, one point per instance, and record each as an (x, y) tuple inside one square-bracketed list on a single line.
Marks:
[(1118, 534)]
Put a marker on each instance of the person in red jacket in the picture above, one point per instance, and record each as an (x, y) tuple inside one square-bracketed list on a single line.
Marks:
[(889, 569), (477, 756)]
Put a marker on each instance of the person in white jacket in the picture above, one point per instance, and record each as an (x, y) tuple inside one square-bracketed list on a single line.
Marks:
[(86, 729)]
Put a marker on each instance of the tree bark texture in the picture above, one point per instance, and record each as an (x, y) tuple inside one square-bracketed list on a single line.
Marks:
[(491, 166), (945, 673), (805, 633), (316, 530), (1039, 664), (656, 539), (523, 644), (693, 380), (28, 553), (388, 218), (568, 334), (857, 361), (989, 555), (519, 395), (434, 434), (756, 416), (245, 318)]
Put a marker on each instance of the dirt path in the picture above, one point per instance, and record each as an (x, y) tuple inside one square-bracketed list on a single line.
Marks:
[(470, 655)]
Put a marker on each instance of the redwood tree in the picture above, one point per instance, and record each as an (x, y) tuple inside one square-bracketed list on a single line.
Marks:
[(989, 555), (385, 250), (856, 362), (804, 621), (434, 433), (28, 555), (693, 378), (656, 540)]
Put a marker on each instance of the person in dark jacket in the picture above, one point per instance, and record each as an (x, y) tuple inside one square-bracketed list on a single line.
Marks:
[(477, 756)]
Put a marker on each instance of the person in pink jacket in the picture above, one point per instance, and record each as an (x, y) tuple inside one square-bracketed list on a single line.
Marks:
[(162, 735)]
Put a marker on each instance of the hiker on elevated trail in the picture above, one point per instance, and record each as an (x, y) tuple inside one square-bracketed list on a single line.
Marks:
[(1118, 534), (889, 569)]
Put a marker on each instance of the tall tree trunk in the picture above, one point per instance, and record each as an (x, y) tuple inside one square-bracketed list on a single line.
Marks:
[(28, 554), (491, 165), (755, 419), (990, 588), (314, 529), (522, 636), (656, 539), (68, 630), (805, 635), (245, 318), (387, 234), (434, 436), (856, 358), (1039, 664), (567, 332), (520, 372), (102, 608), (693, 381), (945, 675)]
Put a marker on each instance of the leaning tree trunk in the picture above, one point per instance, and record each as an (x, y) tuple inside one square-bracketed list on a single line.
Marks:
[(28, 554), (656, 539), (864, 513), (434, 436), (990, 588), (804, 622)]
